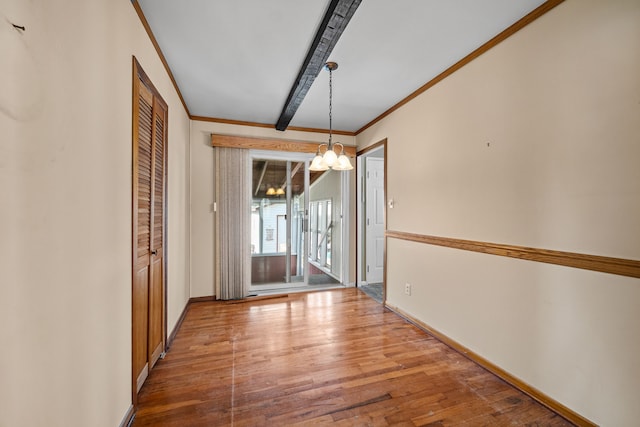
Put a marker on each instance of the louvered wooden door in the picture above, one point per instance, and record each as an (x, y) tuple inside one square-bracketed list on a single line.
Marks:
[(149, 121)]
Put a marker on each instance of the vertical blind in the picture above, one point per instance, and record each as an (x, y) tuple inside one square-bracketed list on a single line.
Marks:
[(233, 223)]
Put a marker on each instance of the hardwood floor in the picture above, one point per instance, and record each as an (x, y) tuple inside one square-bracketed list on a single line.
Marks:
[(334, 357)]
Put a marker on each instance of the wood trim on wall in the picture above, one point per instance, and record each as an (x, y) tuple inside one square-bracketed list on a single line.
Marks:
[(386, 222), (230, 141), (156, 46), (381, 143), (526, 20), (268, 126), (209, 298), (128, 417), (534, 393), (619, 266)]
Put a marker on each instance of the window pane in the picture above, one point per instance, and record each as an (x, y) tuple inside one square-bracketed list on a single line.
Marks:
[(327, 248)]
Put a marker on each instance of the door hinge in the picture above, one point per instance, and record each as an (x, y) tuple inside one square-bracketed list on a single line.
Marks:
[(367, 268)]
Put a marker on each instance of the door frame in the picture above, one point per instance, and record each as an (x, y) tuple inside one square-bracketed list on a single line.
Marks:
[(140, 77), (361, 155), (373, 241), (345, 183), (286, 156)]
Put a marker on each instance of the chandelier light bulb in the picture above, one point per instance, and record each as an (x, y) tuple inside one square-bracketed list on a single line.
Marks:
[(318, 164), (330, 157), (343, 163)]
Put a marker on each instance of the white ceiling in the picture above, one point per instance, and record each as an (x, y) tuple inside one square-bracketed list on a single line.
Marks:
[(237, 59)]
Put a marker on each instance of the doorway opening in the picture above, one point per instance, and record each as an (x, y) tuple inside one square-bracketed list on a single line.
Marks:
[(371, 221), (298, 230)]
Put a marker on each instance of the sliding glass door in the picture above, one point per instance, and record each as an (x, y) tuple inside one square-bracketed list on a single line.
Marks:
[(296, 223)]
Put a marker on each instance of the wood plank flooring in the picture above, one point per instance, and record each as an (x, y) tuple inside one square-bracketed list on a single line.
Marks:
[(323, 358)]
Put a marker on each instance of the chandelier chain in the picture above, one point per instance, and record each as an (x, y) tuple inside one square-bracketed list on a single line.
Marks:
[(330, 103)]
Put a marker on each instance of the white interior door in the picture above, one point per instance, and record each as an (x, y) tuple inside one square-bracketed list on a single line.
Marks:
[(374, 226)]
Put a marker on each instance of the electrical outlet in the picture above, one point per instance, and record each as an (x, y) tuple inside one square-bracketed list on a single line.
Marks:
[(407, 288)]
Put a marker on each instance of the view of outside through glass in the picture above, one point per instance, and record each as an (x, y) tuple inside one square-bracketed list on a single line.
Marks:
[(285, 243)]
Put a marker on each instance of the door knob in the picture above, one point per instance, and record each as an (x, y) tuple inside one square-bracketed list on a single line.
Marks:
[(154, 252)]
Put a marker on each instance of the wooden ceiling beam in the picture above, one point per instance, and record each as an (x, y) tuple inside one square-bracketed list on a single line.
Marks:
[(264, 170), (333, 24)]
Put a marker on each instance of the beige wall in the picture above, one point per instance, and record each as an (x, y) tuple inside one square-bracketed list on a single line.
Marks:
[(536, 143), (202, 191), (65, 209)]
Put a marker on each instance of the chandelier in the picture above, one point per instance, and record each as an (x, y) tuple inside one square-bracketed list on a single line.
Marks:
[(275, 192), (330, 159)]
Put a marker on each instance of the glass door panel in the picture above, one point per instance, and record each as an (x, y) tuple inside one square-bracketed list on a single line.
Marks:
[(296, 223), (268, 222), (325, 243), (277, 220)]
